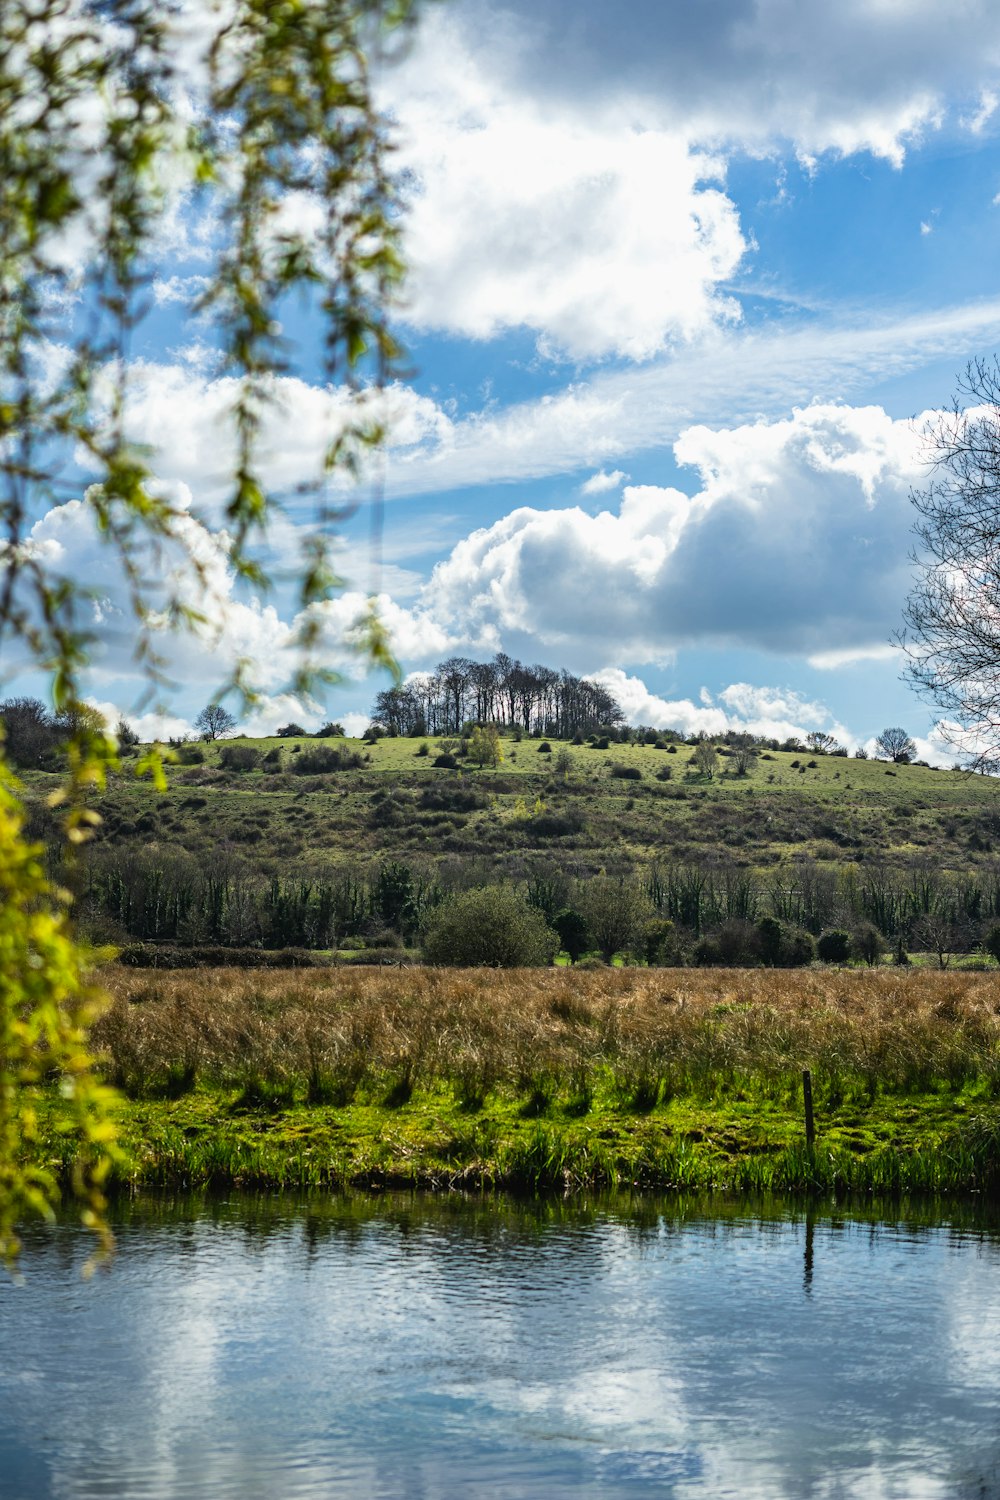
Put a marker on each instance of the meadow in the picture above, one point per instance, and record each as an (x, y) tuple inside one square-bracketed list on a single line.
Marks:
[(551, 1079)]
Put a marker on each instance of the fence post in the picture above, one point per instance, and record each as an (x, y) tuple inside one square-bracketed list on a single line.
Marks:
[(807, 1099)]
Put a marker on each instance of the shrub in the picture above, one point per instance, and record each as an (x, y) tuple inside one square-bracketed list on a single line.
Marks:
[(991, 943), (324, 758), (626, 773), (238, 758), (330, 731), (446, 761), (493, 925), (834, 947), (191, 755), (573, 932), (290, 732), (868, 943)]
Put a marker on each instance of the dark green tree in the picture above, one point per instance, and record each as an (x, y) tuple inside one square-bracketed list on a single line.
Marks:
[(493, 925)]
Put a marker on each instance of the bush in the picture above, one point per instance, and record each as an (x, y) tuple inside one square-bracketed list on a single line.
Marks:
[(834, 947), (330, 731), (238, 758), (868, 943), (545, 748), (626, 773), (191, 755), (573, 933), (991, 943), (290, 732), (493, 925), (323, 759), (446, 762)]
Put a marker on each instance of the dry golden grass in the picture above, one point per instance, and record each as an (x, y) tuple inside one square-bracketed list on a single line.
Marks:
[(668, 1031)]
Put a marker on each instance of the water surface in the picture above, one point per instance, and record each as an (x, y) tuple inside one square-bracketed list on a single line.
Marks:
[(405, 1347)]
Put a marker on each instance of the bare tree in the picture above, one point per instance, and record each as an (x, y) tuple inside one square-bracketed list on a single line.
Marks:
[(744, 754), (952, 616), (895, 745), (820, 743), (214, 721), (705, 758)]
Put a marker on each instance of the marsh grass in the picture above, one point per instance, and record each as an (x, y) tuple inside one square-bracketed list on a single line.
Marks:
[(638, 1038), (542, 1079)]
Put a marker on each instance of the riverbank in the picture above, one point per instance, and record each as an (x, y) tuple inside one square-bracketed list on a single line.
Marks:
[(531, 1080)]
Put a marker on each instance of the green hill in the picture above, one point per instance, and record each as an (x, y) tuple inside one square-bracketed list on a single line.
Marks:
[(303, 830)]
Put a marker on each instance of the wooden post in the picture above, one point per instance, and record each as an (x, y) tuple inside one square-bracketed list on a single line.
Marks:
[(807, 1099)]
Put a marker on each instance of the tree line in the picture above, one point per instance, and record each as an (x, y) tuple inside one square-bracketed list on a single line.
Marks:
[(502, 692), (691, 912)]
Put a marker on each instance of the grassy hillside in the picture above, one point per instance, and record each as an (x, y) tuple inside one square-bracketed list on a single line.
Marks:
[(331, 844), (614, 808)]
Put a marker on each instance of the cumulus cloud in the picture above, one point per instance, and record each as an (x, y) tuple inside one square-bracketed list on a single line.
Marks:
[(182, 414), (236, 630), (868, 76), (774, 713), (605, 235), (795, 542)]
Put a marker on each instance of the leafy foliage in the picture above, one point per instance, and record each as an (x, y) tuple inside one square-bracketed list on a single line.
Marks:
[(46, 1005), (493, 925), (110, 121)]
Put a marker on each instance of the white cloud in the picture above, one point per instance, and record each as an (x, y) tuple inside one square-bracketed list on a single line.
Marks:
[(178, 289), (832, 661), (600, 483), (184, 416), (774, 713), (181, 411), (871, 75), (599, 232), (731, 382), (926, 228), (237, 629), (795, 542)]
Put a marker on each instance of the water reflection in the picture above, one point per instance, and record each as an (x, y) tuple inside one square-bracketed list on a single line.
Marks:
[(402, 1346)]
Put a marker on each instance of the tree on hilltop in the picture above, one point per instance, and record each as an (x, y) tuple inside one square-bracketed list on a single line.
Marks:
[(215, 721), (895, 745)]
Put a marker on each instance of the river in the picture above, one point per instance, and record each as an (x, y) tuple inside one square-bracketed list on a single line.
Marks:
[(398, 1347)]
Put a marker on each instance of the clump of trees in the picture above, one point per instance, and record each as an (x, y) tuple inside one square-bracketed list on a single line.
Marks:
[(34, 737), (502, 692)]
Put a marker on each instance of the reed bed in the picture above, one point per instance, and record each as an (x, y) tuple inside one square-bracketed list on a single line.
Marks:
[(636, 1037), (552, 1079)]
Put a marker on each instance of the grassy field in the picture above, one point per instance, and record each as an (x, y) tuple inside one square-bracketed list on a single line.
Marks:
[(615, 808), (528, 1079)]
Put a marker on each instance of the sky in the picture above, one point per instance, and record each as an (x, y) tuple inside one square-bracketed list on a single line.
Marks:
[(686, 284)]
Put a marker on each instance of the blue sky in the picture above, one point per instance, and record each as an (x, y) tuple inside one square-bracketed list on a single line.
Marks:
[(682, 276)]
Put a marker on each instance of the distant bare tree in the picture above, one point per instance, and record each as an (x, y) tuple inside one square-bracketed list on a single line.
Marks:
[(895, 745), (214, 721), (706, 758), (820, 743), (744, 754)]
